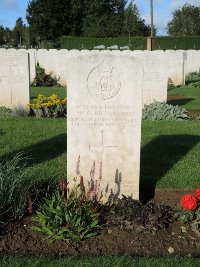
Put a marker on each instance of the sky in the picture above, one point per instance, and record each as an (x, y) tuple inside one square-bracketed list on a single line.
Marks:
[(10, 10)]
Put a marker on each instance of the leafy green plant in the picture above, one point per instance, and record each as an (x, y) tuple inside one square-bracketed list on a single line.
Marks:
[(13, 187), (5, 112), (163, 111), (193, 77), (190, 214), (195, 84), (71, 219), (43, 79)]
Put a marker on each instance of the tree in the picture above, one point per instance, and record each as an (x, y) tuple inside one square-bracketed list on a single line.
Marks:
[(104, 18), (19, 32), (2, 40), (133, 24), (185, 21), (50, 19)]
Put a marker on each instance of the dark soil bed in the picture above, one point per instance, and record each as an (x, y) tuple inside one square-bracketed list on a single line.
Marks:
[(19, 239)]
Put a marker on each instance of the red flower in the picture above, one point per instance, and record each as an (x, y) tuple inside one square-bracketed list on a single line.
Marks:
[(189, 202), (197, 193)]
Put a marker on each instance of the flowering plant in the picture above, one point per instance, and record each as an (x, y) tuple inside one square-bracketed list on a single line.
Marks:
[(191, 210), (49, 106)]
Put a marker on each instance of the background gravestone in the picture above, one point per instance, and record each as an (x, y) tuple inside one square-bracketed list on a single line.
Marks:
[(104, 118), (14, 78), (156, 68)]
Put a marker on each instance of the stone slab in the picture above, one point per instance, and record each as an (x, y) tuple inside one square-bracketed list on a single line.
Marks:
[(14, 78), (104, 119)]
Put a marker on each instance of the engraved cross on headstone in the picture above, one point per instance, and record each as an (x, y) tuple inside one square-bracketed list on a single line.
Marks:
[(102, 146)]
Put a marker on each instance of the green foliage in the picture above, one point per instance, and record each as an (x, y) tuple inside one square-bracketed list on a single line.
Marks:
[(134, 25), (13, 187), (163, 111), (5, 112), (73, 219), (185, 21), (94, 18), (49, 107), (192, 218), (193, 77), (43, 79), (166, 42), (194, 84), (103, 18)]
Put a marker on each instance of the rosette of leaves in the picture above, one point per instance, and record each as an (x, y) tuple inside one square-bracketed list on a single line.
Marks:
[(163, 111), (73, 219), (191, 218)]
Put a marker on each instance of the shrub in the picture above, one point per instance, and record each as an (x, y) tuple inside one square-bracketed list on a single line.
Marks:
[(52, 106), (5, 112), (193, 76), (71, 219), (13, 187), (43, 79), (163, 111), (195, 84)]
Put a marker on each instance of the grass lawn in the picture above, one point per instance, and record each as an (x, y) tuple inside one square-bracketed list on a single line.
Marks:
[(169, 159), (190, 98), (48, 91), (43, 141), (115, 261)]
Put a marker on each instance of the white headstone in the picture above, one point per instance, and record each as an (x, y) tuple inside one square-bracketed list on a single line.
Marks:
[(156, 69), (14, 78), (177, 66), (104, 119), (33, 63), (193, 61)]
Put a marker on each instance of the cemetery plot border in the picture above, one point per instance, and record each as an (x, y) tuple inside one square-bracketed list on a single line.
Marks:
[(19, 238)]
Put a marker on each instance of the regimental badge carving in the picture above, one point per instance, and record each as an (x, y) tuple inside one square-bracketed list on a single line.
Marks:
[(104, 81)]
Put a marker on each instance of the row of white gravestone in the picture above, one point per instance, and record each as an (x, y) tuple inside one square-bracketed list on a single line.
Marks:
[(158, 67), (180, 62)]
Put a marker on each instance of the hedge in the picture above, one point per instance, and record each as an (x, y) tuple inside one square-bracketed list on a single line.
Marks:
[(135, 43)]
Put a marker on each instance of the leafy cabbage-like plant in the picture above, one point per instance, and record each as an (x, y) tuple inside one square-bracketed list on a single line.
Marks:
[(71, 219), (163, 111)]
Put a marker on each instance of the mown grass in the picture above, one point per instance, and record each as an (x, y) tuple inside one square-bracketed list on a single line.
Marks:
[(48, 91), (190, 100), (169, 158), (43, 141), (104, 261)]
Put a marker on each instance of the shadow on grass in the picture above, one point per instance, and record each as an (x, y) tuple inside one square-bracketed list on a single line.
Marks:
[(1, 132), (158, 157), (180, 102), (44, 150)]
